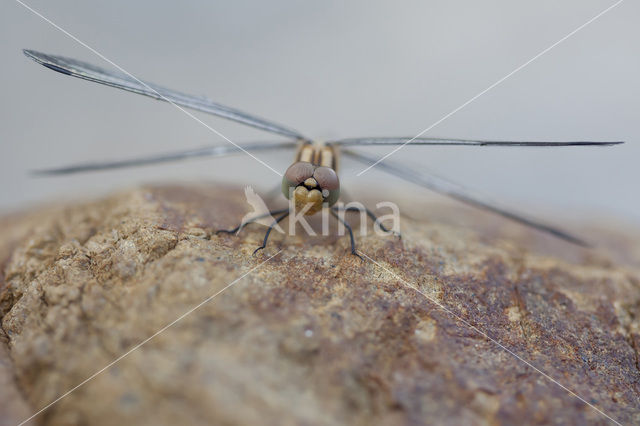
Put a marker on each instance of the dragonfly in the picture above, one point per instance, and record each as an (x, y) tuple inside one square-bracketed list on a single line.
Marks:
[(312, 181)]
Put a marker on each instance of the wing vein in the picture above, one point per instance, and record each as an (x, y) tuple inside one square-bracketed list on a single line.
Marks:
[(457, 192), (122, 81), (381, 141), (212, 151)]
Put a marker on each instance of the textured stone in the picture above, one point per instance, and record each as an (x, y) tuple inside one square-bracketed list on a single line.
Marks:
[(315, 335)]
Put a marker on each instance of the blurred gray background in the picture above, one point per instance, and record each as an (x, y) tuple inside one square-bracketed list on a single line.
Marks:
[(333, 69)]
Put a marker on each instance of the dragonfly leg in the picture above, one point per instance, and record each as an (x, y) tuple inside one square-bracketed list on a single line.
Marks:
[(353, 243), (266, 236), (253, 219), (373, 217)]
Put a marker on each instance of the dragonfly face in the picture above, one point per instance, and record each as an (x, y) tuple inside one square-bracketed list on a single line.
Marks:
[(309, 184)]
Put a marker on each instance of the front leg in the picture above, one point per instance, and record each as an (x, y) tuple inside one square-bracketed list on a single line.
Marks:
[(243, 224), (373, 217), (266, 236), (353, 243)]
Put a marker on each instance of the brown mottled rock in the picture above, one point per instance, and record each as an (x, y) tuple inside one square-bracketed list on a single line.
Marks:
[(314, 336)]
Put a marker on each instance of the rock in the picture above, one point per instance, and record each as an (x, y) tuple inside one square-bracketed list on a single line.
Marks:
[(314, 335)]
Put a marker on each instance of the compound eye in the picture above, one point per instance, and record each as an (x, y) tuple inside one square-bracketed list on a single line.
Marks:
[(329, 183), (326, 178), (299, 172), (295, 175)]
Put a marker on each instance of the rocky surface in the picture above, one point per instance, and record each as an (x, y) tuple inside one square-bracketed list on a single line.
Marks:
[(313, 335)]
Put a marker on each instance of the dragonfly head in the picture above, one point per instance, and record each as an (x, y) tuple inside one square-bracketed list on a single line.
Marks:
[(310, 184)]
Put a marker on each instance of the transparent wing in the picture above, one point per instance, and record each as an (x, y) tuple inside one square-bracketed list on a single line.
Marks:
[(453, 190), (460, 142), (213, 151), (126, 82)]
